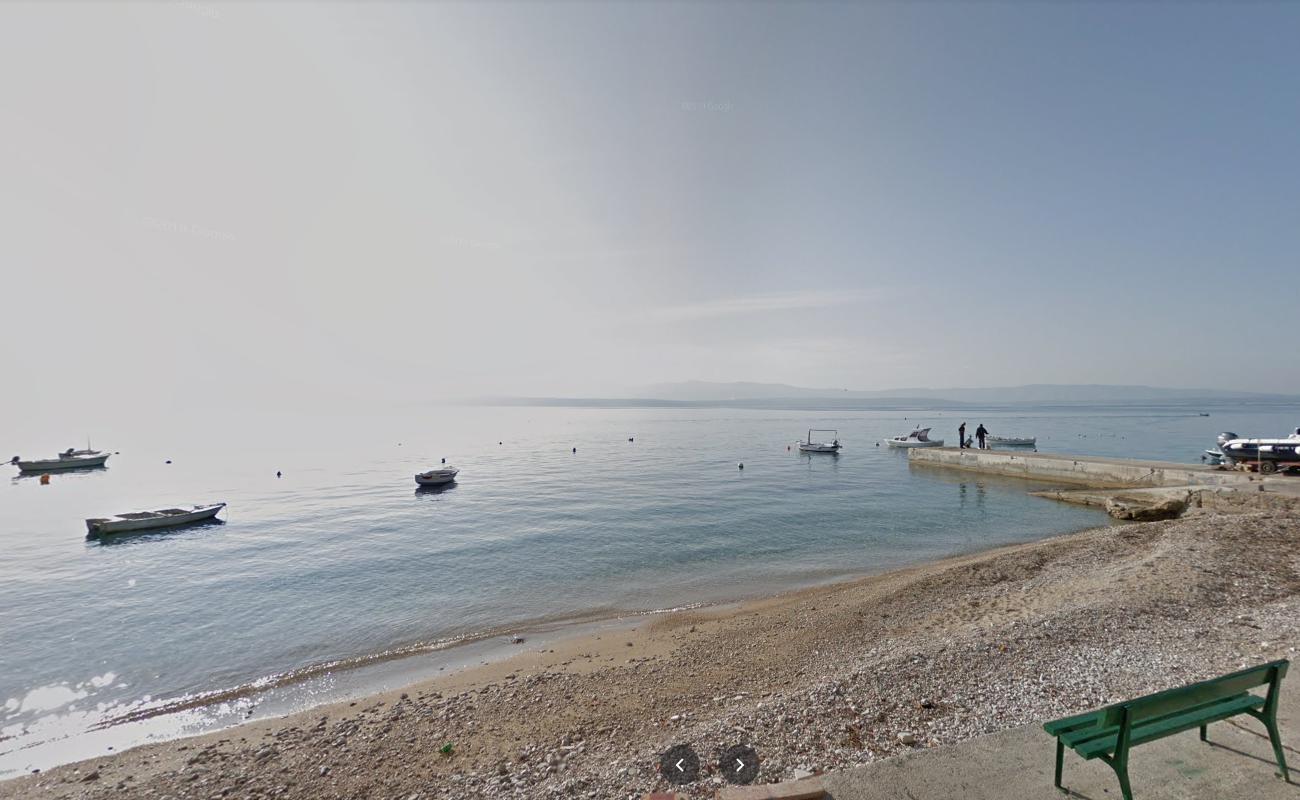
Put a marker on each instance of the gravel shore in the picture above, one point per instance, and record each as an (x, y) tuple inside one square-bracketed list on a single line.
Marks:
[(814, 680)]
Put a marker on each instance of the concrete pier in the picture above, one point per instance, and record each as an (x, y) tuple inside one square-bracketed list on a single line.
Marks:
[(1098, 472)]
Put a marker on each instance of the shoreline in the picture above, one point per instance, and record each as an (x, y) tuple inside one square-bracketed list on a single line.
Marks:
[(937, 651), (315, 686)]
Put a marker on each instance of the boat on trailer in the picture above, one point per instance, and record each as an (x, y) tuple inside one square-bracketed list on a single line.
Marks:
[(1266, 455), (437, 477), (68, 459), (1012, 441), (917, 438), (150, 520), (808, 445)]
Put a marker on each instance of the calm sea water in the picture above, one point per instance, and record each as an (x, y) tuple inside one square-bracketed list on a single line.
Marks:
[(342, 557)]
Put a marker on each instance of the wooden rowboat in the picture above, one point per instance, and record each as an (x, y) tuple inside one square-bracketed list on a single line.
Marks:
[(148, 520)]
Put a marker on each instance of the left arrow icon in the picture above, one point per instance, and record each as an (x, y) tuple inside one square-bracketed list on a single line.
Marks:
[(680, 765)]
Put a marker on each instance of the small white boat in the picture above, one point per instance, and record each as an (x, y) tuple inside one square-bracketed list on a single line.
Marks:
[(1012, 441), (68, 459), (437, 477), (147, 520), (809, 446), (917, 438)]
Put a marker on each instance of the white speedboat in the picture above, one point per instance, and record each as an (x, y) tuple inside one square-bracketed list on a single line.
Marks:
[(917, 438), (148, 520), (1268, 455), (1012, 441), (810, 446), (68, 459), (437, 477)]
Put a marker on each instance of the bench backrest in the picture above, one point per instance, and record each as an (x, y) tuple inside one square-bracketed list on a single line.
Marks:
[(1185, 697)]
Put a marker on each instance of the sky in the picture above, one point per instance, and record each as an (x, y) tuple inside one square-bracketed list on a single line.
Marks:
[(248, 203)]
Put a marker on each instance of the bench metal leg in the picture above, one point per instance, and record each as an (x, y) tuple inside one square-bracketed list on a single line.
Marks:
[(1275, 739), (1203, 739), (1121, 770), (1060, 755)]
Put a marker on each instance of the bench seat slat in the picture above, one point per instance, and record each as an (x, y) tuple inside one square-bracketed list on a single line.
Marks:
[(1057, 727), (1150, 730)]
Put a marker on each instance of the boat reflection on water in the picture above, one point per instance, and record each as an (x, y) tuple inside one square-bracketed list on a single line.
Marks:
[(435, 488)]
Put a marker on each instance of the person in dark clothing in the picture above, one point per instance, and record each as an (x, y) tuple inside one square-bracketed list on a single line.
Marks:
[(980, 433), (961, 436)]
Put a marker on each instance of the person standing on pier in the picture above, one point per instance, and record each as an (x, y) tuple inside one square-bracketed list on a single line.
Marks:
[(980, 433), (961, 436)]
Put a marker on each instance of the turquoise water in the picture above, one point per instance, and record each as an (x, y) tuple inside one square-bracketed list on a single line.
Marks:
[(343, 557)]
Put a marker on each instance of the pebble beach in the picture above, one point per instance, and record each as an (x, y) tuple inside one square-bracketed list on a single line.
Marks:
[(814, 680)]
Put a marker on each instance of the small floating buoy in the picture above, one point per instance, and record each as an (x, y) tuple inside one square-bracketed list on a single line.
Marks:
[(787, 448), (575, 449), (45, 480), (741, 465), (444, 461), (168, 461), (277, 473), (498, 442), (629, 438)]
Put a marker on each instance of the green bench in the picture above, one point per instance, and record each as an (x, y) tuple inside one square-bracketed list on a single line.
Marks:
[(1109, 733)]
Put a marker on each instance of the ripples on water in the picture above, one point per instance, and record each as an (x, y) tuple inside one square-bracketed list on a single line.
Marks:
[(343, 557)]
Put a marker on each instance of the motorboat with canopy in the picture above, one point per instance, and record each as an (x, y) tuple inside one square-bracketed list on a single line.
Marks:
[(917, 438), (811, 445)]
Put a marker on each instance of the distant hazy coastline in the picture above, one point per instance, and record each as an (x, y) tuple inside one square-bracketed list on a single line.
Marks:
[(705, 394)]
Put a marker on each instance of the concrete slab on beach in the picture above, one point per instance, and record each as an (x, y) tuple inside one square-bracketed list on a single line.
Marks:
[(1237, 763), (1100, 472)]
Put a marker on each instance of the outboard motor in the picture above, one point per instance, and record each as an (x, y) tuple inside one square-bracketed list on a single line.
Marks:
[(1223, 439)]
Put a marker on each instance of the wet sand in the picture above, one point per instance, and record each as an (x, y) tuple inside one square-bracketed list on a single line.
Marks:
[(813, 680)]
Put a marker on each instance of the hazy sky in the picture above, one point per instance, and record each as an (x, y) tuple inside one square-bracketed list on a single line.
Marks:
[(265, 203)]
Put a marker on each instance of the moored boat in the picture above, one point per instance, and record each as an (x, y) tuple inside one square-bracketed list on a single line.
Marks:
[(810, 446), (437, 477), (1012, 441), (917, 438), (148, 520), (68, 459)]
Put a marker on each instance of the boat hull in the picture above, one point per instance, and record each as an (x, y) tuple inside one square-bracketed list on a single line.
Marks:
[(818, 448), (168, 518), (908, 443), (1279, 450), (1012, 441), (54, 464), (440, 477)]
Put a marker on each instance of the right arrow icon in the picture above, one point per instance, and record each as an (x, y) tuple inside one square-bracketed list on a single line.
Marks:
[(739, 764)]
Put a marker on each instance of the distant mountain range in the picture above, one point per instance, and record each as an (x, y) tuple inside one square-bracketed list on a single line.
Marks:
[(1033, 393), (774, 395)]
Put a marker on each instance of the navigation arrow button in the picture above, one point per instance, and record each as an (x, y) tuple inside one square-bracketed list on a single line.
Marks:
[(679, 765), (739, 764)]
